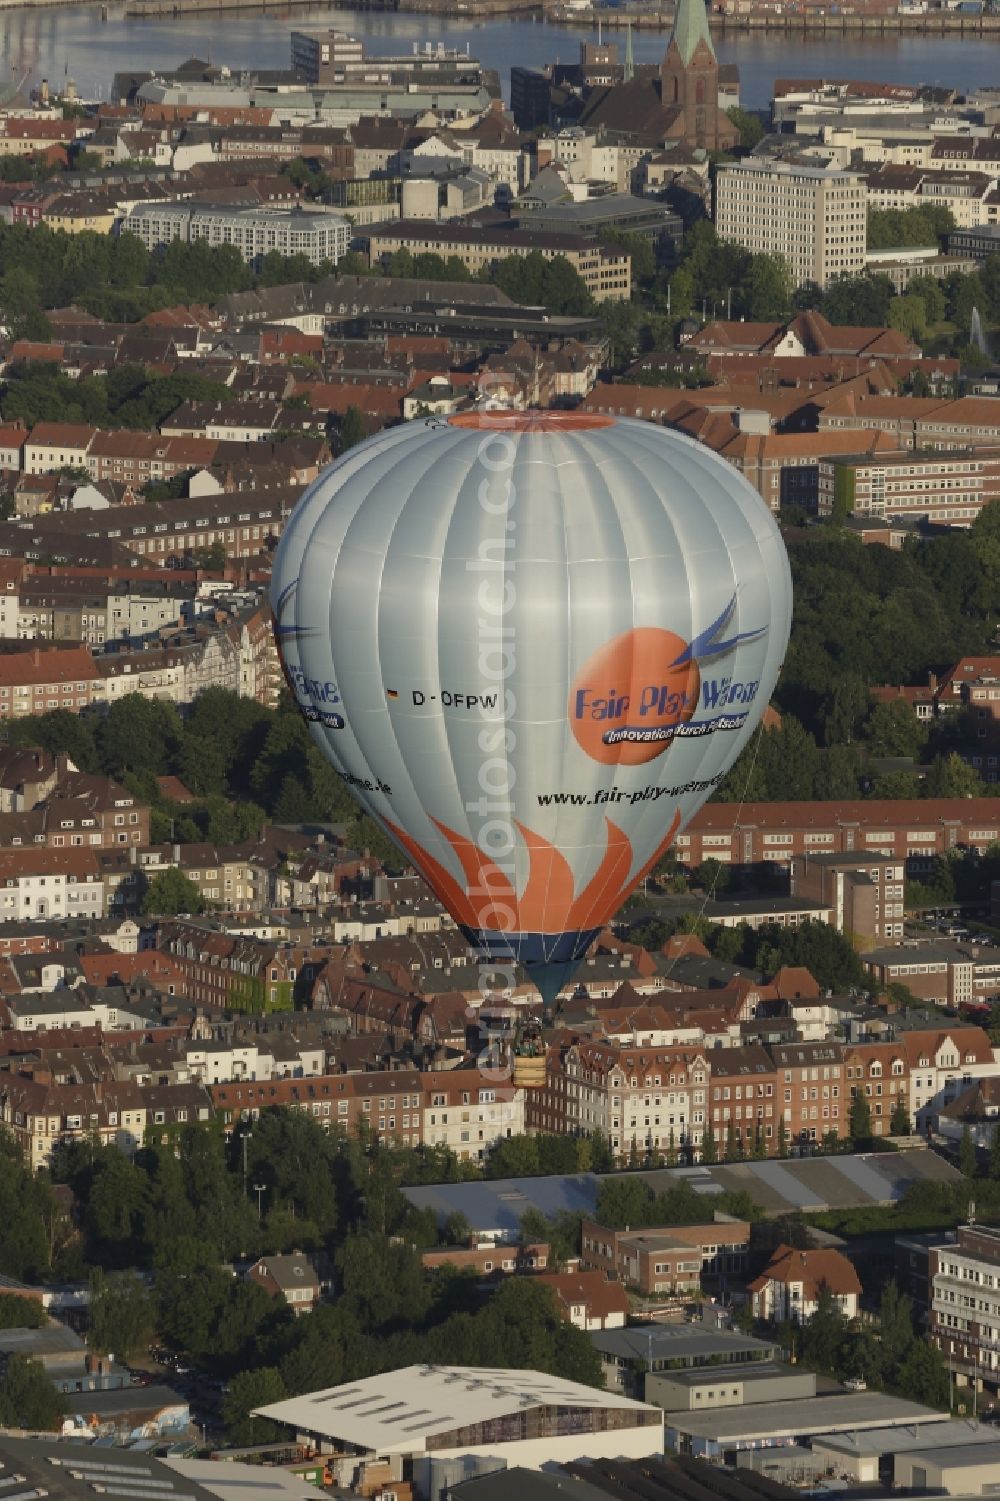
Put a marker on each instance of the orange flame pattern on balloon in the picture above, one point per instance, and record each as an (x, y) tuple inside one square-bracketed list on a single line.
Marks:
[(548, 903)]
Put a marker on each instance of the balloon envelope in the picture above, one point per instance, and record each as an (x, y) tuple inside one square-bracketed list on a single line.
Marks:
[(531, 645)]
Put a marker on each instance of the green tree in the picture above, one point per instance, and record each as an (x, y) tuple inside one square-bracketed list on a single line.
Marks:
[(382, 1281), (825, 1332), (709, 1151), (923, 1376), (120, 1314), (860, 1118), (750, 127), (908, 315), (893, 729), (138, 734), (899, 1122), (350, 430), (28, 1399), (766, 293), (967, 1154), (21, 1313), (247, 1390), (171, 892), (950, 776), (512, 1157), (713, 876)]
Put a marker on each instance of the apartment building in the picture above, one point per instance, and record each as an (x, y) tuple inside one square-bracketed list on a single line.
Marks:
[(57, 445), (65, 609), (466, 1110), (863, 891), (814, 217), (911, 830), (881, 1072), (964, 1319), (44, 1107), (80, 811), (966, 195), (744, 1099), (244, 524), (137, 458), (33, 682), (44, 885), (234, 880), (654, 1099), (319, 235), (810, 1077), (28, 775), (923, 485), (234, 973), (220, 1061), (455, 1109), (606, 270), (941, 1064), (388, 1104)]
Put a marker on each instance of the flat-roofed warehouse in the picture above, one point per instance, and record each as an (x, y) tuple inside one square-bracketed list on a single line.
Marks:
[(716, 1435), (787, 1186), (526, 1417), (710, 1388), (971, 1470), (627, 1355), (856, 1456)]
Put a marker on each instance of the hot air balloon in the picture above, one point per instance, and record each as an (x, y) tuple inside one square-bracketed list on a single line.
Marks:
[(531, 645)]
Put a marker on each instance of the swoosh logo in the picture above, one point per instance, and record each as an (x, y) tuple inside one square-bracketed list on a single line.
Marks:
[(282, 630)]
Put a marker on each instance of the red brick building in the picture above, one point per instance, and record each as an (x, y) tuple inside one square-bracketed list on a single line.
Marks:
[(744, 1099), (672, 1259), (879, 1070), (812, 1089), (913, 830)]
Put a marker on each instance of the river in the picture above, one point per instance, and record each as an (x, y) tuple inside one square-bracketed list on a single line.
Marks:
[(73, 39)]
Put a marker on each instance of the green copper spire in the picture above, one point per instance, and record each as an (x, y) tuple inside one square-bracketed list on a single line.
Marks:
[(690, 28), (628, 71)]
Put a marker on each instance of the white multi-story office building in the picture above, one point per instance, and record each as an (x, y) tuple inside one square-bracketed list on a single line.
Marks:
[(815, 217), (965, 1305), (319, 235)]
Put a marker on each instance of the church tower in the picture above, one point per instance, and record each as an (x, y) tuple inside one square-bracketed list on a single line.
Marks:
[(689, 75)]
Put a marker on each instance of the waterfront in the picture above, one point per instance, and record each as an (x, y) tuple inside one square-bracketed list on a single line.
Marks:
[(49, 42)]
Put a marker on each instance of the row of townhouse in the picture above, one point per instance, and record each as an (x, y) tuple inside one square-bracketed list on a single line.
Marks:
[(757, 1098), (80, 811), (245, 524), (462, 1109), (232, 972), (95, 612), (42, 1115), (239, 656), (911, 830), (132, 457)]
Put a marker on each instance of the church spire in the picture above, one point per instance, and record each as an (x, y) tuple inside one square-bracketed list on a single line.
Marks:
[(628, 72), (690, 28)]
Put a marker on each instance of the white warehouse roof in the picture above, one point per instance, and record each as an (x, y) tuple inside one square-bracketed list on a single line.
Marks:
[(399, 1411), (795, 1419)]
